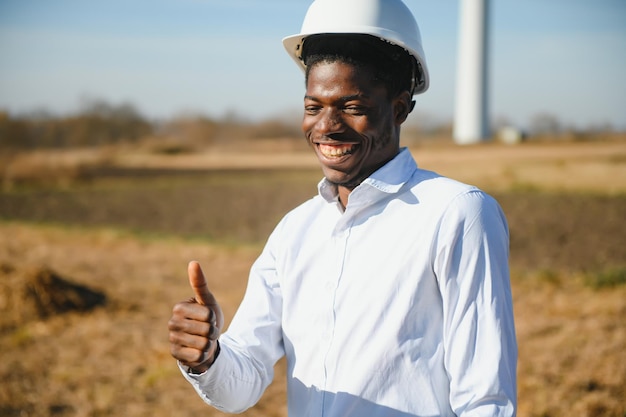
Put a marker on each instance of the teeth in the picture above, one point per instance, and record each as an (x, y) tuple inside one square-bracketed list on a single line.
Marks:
[(335, 151)]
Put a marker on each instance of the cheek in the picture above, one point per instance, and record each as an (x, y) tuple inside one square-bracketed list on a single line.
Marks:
[(307, 130), (381, 136), (306, 124), (381, 141)]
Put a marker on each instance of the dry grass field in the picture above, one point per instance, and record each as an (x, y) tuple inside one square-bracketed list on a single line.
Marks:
[(124, 225)]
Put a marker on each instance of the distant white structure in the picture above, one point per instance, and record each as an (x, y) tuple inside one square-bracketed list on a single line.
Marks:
[(471, 119), (510, 135)]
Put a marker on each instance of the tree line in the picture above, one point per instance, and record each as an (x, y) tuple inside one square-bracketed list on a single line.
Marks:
[(99, 123)]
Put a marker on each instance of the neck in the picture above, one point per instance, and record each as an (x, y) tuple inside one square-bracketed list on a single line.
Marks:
[(344, 193)]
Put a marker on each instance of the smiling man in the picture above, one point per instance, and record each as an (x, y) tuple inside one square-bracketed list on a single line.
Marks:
[(389, 291), (353, 104)]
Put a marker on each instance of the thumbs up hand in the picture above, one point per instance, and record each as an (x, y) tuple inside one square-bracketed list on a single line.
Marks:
[(196, 324)]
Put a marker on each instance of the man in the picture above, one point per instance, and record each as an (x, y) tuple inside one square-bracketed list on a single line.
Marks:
[(388, 292)]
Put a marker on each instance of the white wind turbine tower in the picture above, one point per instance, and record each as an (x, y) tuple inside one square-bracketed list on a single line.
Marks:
[(471, 119)]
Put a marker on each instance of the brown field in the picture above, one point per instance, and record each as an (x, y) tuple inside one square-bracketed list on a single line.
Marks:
[(126, 224)]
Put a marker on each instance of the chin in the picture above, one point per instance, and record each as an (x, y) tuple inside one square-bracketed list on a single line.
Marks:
[(341, 179), (335, 177)]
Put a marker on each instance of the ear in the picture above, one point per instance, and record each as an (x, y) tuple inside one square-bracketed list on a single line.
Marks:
[(402, 106)]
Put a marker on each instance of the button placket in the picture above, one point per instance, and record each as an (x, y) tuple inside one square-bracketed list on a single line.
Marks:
[(339, 245)]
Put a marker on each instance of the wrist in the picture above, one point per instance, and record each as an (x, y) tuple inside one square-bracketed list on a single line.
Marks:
[(204, 366)]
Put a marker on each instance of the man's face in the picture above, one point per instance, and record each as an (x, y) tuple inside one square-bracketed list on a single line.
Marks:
[(349, 121)]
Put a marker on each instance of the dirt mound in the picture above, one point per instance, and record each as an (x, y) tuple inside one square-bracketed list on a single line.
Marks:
[(39, 293)]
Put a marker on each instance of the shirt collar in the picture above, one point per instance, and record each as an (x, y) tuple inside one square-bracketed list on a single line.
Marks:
[(388, 179)]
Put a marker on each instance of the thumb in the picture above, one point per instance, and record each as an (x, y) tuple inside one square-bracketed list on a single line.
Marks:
[(198, 283)]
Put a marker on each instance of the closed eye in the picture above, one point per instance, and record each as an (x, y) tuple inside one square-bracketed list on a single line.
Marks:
[(356, 110)]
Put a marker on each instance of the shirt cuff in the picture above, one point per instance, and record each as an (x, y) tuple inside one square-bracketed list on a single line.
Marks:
[(210, 385)]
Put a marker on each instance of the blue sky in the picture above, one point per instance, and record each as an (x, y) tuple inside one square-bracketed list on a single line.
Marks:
[(565, 58)]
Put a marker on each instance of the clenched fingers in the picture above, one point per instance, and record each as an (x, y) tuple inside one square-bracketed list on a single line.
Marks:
[(192, 328), (193, 311)]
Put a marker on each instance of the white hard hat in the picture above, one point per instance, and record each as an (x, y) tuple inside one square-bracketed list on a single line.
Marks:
[(390, 20)]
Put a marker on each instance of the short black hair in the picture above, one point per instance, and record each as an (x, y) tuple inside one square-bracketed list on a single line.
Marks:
[(391, 65)]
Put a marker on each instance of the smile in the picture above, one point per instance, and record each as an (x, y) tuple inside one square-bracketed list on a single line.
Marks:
[(336, 151)]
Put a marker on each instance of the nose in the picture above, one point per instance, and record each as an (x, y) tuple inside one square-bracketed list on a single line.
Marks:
[(330, 122)]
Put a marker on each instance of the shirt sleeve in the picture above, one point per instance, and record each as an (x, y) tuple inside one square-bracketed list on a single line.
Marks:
[(250, 347), (471, 264)]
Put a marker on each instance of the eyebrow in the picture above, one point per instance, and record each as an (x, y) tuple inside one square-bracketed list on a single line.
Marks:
[(343, 98)]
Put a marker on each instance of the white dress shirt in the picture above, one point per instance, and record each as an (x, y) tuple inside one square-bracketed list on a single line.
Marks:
[(398, 306)]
